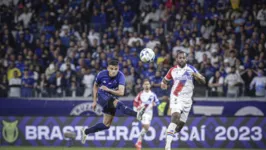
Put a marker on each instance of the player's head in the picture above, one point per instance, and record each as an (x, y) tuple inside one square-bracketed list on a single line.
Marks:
[(181, 58), (146, 84), (113, 67)]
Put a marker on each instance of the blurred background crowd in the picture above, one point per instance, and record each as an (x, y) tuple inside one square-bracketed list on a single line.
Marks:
[(55, 48)]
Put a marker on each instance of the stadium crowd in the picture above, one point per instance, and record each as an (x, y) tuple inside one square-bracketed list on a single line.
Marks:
[(55, 48)]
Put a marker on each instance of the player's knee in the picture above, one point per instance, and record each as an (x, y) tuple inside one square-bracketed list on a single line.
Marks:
[(146, 127), (179, 127), (175, 118), (107, 125), (115, 102)]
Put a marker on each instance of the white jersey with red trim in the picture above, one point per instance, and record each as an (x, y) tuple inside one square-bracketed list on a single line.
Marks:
[(146, 98), (183, 81)]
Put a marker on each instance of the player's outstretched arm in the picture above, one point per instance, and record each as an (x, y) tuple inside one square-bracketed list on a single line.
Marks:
[(119, 92), (199, 78), (95, 91)]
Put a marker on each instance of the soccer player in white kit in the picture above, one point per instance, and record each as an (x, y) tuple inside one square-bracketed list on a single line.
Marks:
[(148, 99), (181, 94)]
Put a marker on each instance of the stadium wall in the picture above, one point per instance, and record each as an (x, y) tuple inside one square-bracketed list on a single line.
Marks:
[(199, 132), (81, 107)]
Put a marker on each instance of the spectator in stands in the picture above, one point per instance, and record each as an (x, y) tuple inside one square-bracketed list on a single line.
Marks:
[(59, 83), (232, 82), (3, 82), (63, 67), (153, 42), (248, 76), (207, 29), (214, 35), (216, 84), (88, 80), (128, 18), (50, 70), (25, 17), (261, 16), (260, 84), (42, 86), (28, 84), (138, 86), (10, 71), (15, 85), (156, 84), (73, 87)]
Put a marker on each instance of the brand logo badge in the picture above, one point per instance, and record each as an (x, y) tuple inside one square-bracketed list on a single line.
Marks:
[(10, 131)]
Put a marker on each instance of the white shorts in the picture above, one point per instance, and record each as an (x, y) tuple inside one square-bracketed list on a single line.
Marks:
[(146, 118), (182, 106)]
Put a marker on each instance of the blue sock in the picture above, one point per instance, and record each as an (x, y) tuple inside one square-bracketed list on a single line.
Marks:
[(126, 110), (96, 128)]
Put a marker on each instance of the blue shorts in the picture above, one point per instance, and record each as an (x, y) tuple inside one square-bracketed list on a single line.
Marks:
[(106, 101)]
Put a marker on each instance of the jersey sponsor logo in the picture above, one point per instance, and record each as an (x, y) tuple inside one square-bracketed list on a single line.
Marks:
[(184, 77), (10, 131)]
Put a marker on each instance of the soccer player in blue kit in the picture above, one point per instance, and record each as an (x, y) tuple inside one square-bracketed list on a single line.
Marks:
[(108, 86)]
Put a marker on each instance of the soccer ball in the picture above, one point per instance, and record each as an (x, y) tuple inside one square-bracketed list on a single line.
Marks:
[(147, 55)]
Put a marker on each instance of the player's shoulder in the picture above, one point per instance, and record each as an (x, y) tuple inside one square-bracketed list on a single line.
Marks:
[(102, 73), (174, 67), (120, 73), (140, 93), (191, 67)]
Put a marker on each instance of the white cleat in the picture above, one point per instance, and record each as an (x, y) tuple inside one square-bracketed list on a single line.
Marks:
[(140, 113), (83, 135), (167, 148)]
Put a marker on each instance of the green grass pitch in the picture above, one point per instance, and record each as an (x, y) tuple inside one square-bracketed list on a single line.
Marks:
[(81, 148)]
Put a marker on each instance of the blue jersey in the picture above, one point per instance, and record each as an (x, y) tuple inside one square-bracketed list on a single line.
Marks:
[(103, 79)]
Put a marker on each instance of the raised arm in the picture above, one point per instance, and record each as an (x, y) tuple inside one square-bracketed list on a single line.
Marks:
[(121, 87), (199, 78), (95, 91), (168, 77), (119, 92)]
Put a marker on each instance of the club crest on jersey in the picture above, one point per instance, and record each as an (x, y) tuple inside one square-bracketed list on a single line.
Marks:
[(183, 77)]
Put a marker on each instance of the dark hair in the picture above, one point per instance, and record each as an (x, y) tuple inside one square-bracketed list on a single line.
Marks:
[(113, 62), (144, 80), (181, 52)]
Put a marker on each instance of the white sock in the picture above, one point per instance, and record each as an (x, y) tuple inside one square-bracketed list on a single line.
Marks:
[(142, 133), (170, 134)]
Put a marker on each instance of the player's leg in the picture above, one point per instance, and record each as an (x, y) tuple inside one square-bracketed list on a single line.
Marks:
[(146, 120), (128, 111), (107, 121), (171, 129), (183, 117), (180, 125), (176, 107), (109, 113), (144, 130)]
